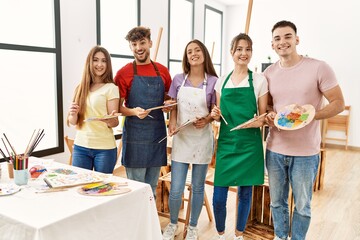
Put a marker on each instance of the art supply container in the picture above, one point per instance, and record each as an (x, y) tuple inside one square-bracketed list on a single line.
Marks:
[(21, 177), (10, 170)]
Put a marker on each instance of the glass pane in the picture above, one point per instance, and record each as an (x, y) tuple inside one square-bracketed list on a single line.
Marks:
[(117, 18), (28, 97), (27, 22), (213, 34), (181, 20), (175, 68), (118, 63)]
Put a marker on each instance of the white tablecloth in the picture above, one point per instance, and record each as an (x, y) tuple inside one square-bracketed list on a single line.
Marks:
[(27, 215)]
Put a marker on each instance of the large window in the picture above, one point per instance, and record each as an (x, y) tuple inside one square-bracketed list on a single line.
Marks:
[(213, 35), (114, 20), (181, 31), (30, 83)]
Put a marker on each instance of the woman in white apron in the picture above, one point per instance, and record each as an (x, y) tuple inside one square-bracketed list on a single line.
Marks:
[(240, 156), (193, 144)]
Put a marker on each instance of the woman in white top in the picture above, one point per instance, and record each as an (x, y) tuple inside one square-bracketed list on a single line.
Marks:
[(95, 96), (240, 95)]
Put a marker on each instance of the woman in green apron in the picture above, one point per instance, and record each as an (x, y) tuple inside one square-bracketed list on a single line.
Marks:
[(241, 94)]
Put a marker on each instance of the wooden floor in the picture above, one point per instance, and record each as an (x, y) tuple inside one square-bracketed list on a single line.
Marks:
[(335, 208)]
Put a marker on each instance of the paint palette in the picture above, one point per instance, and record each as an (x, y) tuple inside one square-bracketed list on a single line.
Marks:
[(98, 118), (293, 117), (245, 124), (104, 189), (8, 189)]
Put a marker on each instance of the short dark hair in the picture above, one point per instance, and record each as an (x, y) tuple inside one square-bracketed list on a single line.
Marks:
[(237, 38), (138, 33), (284, 23)]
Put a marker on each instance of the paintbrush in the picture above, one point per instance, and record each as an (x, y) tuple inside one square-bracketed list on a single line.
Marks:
[(10, 144), (4, 156), (52, 190), (6, 147), (222, 117)]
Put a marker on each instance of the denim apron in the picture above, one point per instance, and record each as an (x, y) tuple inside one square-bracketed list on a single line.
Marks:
[(141, 147), (240, 155), (192, 145)]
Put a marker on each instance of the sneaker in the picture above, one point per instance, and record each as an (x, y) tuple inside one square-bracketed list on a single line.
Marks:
[(277, 238), (238, 238), (169, 232), (222, 237), (192, 233)]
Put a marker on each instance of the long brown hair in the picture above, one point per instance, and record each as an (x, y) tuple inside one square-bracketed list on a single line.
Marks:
[(208, 65), (83, 89)]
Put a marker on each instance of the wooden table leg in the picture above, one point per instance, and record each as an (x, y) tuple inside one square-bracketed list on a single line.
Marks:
[(322, 169)]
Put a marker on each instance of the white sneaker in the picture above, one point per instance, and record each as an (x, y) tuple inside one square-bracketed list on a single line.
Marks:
[(277, 238), (169, 232), (192, 233), (222, 237), (238, 238)]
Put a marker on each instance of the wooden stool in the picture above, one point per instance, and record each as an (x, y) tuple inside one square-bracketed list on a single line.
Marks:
[(340, 122), (259, 225), (319, 181), (167, 179), (163, 187), (70, 144), (163, 192)]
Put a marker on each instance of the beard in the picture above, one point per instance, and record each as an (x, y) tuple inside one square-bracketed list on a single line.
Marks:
[(143, 58)]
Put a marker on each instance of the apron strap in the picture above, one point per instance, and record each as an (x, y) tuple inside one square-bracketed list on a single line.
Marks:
[(250, 79), (204, 82), (226, 80)]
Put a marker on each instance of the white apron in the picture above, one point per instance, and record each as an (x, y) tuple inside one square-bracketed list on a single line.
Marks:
[(192, 145)]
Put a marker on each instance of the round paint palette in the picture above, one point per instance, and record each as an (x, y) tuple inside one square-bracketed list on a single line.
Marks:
[(293, 117), (8, 189), (104, 189)]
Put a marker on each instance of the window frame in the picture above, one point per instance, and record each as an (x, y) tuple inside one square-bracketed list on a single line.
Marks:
[(207, 7), (169, 31)]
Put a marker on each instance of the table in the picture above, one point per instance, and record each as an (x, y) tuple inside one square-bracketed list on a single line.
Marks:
[(69, 215)]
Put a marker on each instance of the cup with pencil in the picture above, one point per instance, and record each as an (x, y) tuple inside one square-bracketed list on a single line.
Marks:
[(18, 163)]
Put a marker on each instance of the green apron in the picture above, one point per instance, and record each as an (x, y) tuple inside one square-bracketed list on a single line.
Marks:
[(240, 155)]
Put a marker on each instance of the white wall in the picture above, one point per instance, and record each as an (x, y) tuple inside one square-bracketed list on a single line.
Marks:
[(328, 30), (78, 36)]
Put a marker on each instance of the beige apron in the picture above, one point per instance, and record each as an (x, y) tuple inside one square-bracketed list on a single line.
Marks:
[(192, 145)]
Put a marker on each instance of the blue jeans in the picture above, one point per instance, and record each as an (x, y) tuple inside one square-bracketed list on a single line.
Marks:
[(178, 178), (299, 172), (219, 206), (101, 160), (146, 175)]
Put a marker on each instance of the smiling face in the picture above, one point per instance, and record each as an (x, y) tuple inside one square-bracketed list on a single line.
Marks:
[(284, 41), (242, 52), (194, 54), (141, 50), (99, 64)]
